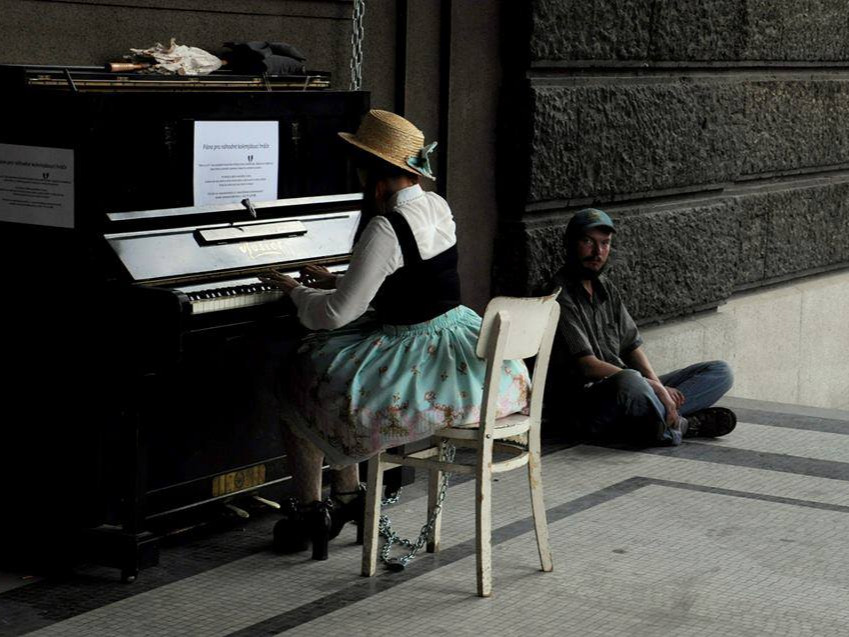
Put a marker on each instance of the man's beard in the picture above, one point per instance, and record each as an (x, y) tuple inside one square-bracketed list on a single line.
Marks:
[(583, 273)]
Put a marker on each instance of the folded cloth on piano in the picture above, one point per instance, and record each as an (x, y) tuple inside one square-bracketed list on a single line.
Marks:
[(276, 58), (180, 59)]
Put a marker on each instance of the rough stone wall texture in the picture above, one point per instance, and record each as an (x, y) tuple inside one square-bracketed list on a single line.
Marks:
[(713, 131), (792, 230), (672, 30), (598, 140), (593, 30)]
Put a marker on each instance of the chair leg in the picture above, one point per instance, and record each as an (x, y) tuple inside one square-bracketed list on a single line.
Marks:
[(483, 518), (374, 489), (538, 504), (433, 488)]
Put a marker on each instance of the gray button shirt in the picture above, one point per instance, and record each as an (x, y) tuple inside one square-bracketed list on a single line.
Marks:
[(597, 325)]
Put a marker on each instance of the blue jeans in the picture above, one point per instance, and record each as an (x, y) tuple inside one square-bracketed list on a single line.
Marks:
[(624, 406)]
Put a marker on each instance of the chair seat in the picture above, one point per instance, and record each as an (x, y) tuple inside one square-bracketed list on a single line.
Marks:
[(512, 425)]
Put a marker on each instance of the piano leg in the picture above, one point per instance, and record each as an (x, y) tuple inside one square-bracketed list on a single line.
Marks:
[(141, 548), (129, 547)]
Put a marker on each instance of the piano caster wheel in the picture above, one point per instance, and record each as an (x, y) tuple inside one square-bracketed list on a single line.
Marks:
[(128, 576)]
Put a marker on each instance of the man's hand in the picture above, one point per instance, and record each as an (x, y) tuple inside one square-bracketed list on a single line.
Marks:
[(676, 395), (317, 276), (281, 281), (663, 393)]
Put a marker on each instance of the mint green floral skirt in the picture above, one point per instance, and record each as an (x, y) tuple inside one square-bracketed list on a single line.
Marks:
[(366, 387)]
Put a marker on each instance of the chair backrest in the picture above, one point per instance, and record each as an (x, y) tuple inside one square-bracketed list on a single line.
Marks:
[(529, 318), (514, 328)]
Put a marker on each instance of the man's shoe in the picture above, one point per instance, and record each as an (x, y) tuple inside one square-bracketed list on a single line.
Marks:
[(710, 423)]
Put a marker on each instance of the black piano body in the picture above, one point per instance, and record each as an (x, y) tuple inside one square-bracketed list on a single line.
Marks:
[(202, 340), (141, 353)]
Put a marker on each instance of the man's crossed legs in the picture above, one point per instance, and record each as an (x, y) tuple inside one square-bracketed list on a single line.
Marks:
[(624, 406)]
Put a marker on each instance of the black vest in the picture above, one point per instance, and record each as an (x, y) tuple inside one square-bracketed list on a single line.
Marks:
[(421, 289)]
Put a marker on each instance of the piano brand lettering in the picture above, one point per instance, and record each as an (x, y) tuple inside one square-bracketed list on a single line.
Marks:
[(261, 249)]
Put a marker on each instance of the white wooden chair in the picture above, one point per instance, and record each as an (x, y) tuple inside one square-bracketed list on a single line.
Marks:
[(512, 328)]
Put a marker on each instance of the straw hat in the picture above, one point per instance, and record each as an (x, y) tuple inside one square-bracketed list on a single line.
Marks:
[(394, 140)]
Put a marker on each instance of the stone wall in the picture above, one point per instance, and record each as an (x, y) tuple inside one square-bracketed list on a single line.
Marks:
[(671, 30), (713, 132)]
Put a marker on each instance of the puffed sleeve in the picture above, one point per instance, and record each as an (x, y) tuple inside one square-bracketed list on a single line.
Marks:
[(376, 256)]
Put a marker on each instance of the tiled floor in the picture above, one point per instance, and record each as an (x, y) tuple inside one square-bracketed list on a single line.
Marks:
[(738, 536)]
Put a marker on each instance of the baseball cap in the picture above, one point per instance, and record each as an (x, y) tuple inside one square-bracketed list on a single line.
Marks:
[(589, 218)]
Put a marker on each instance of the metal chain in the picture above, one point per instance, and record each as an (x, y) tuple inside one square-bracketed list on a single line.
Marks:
[(392, 538), (358, 34)]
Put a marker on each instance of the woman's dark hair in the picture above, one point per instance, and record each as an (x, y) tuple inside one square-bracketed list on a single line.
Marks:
[(375, 169), (378, 168)]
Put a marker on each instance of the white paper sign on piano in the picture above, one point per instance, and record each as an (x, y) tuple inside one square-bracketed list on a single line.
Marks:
[(235, 161)]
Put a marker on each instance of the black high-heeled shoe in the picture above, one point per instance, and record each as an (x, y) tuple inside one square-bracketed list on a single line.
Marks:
[(353, 510), (290, 533), (302, 524), (318, 522)]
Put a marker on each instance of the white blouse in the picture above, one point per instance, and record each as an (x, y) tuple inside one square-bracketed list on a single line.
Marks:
[(376, 255)]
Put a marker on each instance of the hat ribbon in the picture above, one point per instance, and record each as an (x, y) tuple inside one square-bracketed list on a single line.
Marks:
[(421, 162)]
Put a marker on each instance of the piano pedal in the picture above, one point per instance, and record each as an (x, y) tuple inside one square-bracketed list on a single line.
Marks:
[(266, 501), (238, 511)]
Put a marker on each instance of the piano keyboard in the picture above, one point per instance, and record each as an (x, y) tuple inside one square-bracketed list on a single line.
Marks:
[(217, 296)]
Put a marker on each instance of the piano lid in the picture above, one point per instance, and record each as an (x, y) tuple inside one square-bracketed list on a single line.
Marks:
[(187, 252)]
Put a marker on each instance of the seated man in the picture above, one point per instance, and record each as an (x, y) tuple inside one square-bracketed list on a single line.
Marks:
[(613, 389)]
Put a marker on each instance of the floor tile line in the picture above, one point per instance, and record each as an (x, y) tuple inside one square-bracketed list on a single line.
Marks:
[(784, 463), (813, 504), (791, 421)]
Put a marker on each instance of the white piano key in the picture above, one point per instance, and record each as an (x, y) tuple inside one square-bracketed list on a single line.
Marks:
[(239, 300)]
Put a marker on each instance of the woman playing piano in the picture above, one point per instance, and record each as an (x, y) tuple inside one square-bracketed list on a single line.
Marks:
[(366, 381)]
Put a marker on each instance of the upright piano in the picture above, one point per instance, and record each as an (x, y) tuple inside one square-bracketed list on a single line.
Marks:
[(142, 348)]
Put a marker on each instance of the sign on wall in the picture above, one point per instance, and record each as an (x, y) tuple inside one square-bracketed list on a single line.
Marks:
[(37, 185)]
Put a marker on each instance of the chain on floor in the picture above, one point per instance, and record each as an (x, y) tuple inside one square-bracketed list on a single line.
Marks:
[(398, 563)]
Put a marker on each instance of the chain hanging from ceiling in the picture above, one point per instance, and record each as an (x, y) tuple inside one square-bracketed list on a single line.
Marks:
[(358, 34)]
